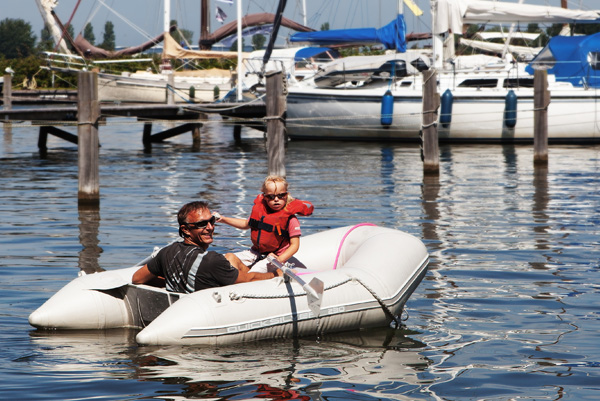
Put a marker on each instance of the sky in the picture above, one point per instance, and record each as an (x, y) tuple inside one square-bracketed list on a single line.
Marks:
[(136, 21)]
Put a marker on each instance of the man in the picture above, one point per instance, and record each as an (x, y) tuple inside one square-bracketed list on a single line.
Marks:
[(187, 266)]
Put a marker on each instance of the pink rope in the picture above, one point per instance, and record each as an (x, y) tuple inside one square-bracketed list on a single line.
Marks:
[(344, 238)]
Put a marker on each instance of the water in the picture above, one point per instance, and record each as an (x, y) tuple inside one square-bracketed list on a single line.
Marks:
[(508, 309)]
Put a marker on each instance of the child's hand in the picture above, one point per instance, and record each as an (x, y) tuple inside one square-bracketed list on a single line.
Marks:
[(217, 216)]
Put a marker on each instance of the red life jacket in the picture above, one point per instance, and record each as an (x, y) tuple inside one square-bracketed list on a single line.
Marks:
[(269, 230)]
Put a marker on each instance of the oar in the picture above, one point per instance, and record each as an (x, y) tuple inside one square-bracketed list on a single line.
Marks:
[(314, 290)]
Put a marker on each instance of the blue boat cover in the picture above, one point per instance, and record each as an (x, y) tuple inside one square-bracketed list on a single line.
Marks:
[(574, 59), (308, 52), (392, 36)]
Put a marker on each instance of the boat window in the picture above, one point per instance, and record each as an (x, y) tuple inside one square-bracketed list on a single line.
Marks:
[(518, 83), (406, 83), (397, 66), (479, 83), (544, 60), (419, 64), (594, 60)]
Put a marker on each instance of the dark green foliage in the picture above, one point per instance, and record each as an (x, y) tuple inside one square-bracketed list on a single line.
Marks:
[(109, 40), (258, 41), (46, 40), (181, 35), (16, 38), (88, 33)]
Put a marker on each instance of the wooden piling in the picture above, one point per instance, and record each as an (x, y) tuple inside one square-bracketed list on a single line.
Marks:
[(541, 101), (170, 89), (88, 114), (429, 133), (7, 92), (275, 108)]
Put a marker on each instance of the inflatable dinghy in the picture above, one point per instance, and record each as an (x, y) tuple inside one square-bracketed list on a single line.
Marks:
[(346, 279)]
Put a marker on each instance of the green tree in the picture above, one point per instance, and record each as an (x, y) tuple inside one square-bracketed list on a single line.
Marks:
[(16, 38), (71, 34), (108, 42), (258, 41), (233, 47), (46, 40), (325, 26), (181, 35), (88, 33)]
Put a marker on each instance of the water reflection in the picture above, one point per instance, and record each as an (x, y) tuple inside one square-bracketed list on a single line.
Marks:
[(430, 190), (376, 363), (7, 138), (89, 224)]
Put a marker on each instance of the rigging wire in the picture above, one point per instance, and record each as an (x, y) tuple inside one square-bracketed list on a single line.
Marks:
[(128, 22)]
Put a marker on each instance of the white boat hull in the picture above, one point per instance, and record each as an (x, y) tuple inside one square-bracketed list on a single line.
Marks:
[(377, 269), (152, 88), (355, 114)]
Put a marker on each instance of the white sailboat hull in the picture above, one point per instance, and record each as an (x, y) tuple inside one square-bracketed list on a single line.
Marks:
[(355, 114), (153, 88)]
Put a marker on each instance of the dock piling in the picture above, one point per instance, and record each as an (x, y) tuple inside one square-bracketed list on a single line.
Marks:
[(541, 100), (7, 92), (275, 117), (170, 89), (88, 114), (429, 133)]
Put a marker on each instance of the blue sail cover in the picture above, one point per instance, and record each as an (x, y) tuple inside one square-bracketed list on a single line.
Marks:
[(392, 36), (574, 59)]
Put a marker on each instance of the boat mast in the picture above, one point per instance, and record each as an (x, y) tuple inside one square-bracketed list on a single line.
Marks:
[(204, 24), (166, 16), (239, 50), (437, 44), (304, 11), (46, 7)]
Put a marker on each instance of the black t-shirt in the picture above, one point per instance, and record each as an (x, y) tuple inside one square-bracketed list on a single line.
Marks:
[(186, 268)]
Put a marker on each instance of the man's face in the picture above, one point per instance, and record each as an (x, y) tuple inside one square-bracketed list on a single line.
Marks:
[(200, 226)]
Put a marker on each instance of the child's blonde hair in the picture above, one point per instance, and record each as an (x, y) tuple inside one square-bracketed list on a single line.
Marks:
[(277, 179)]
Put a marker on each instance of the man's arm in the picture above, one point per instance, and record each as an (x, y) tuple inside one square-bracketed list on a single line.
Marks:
[(144, 276), (244, 277)]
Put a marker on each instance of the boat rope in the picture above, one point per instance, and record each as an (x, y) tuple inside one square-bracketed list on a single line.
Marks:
[(385, 308), (175, 91), (233, 296)]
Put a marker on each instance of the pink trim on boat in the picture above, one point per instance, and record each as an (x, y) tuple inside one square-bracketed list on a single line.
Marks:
[(344, 238)]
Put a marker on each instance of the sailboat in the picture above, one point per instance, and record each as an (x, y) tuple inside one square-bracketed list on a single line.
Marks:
[(189, 86), (484, 98)]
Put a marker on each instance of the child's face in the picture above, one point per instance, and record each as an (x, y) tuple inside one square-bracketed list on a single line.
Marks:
[(276, 195)]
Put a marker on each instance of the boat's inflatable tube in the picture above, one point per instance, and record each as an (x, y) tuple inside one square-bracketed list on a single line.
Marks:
[(368, 274)]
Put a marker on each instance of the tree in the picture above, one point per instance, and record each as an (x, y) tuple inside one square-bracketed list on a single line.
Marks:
[(233, 47), (88, 33), (16, 38), (108, 42), (325, 26), (181, 35), (258, 41), (46, 40)]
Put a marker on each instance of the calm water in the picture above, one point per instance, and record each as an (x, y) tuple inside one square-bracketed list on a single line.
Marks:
[(508, 310)]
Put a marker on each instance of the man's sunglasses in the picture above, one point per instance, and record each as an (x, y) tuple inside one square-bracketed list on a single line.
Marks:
[(202, 223), (282, 196)]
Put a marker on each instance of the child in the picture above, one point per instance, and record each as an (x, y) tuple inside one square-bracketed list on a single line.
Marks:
[(274, 227)]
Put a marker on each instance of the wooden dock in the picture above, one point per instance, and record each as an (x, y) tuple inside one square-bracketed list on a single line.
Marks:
[(69, 113), (27, 96)]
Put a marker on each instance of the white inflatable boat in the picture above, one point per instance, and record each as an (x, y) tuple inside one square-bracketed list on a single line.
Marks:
[(359, 277)]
